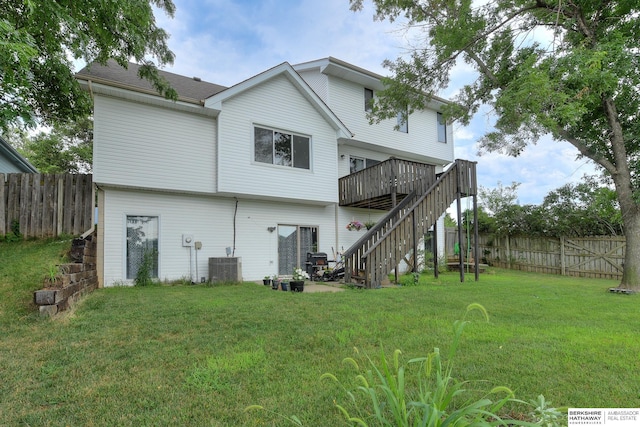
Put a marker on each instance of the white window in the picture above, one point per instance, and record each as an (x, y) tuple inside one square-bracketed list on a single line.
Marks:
[(358, 163), (281, 148), (403, 121), (368, 99), (442, 128), (142, 244)]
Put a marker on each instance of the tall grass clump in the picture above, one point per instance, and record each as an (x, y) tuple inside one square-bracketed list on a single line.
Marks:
[(385, 396)]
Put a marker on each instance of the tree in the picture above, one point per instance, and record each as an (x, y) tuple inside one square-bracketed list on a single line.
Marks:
[(496, 200), (449, 222), (584, 209), (66, 148), (588, 208), (568, 69), (41, 37)]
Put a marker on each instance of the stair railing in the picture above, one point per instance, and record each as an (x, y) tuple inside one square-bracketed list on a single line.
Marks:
[(403, 234)]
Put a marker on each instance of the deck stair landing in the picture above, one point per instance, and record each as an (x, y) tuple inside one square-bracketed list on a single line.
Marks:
[(398, 234)]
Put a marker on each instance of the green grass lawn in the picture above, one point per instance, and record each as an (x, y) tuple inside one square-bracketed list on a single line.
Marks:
[(198, 355)]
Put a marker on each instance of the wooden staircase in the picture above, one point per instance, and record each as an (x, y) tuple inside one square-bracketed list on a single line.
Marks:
[(395, 236)]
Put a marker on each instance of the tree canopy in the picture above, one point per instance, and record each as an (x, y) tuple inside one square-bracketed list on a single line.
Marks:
[(65, 148), (41, 38), (588, 208), (570, 69)]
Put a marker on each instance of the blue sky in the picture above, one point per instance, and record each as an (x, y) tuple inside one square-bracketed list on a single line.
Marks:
[(227, 41)]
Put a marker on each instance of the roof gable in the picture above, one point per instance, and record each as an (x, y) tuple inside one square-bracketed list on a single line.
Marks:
[(285, 69)]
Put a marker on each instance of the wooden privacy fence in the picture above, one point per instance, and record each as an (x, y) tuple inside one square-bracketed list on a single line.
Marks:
[(45, 205), (595, 257)]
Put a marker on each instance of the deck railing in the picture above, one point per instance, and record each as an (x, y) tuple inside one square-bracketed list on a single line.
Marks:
[(389, 179), (380, 251), (353, 256)]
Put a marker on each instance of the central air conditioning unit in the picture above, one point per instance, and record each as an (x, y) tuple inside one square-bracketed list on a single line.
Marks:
[(227, 269)]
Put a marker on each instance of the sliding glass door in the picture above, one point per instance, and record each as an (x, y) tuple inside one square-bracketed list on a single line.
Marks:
[(294, 241)]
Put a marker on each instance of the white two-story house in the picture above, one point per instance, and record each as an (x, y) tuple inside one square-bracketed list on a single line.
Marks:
[(263, 172)]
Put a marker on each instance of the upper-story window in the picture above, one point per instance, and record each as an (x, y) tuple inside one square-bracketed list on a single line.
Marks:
[(368, 100), (403, 121), (358, 163), (442, 128), (281, 148)]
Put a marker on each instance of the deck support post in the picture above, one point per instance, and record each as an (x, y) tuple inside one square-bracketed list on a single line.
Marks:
[(462, 246)]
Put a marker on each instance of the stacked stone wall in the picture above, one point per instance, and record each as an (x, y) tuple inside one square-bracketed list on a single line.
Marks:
[(74, 279)]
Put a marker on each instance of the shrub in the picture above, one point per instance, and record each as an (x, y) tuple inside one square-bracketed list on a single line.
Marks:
[(143, 276)]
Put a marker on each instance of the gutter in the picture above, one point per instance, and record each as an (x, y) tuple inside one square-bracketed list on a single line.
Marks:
[(131, 88)]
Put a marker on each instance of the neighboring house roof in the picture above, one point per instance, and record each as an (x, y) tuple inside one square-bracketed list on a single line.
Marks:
[(12, 162), (190, 89)]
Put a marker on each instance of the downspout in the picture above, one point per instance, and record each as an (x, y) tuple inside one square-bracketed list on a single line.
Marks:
[(235, 215)]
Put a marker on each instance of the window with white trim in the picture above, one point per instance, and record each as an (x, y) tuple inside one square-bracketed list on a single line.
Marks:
[(403, 121), (368, 100), (282, 148), (142, 244), (442, 128), (358, 163)]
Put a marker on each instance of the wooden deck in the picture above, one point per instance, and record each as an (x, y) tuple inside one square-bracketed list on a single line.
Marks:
[(398, 233), (385, 184)]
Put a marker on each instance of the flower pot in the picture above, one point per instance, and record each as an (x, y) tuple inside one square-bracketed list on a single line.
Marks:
[(297, 285), (284, 286), (266, 282), (275, 285)]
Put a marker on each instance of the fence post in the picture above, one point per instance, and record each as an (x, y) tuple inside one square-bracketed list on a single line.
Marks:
[(59, 204), (562, 260), (3, 206)]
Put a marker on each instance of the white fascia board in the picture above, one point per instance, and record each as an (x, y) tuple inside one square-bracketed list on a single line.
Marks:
[(337, 68), (131, 95), (216, 101)]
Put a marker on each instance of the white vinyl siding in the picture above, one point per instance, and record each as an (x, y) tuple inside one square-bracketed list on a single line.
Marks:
[(318, 82), (151, 147), (275, 104), (422, 139), (210, 220)]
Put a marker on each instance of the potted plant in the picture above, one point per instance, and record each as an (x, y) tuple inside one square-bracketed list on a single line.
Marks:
[(297, 282), (266, 280), (355, 225), (275, 282), (369, 225)]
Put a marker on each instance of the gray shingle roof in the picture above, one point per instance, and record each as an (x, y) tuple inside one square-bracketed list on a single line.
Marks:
[(113, 74)]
